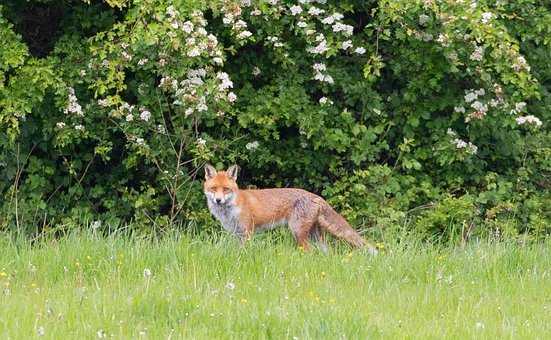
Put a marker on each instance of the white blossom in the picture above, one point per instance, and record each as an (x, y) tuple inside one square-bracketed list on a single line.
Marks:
[(486, 17), (315, 11), (520, 106), (459, 109), (79, 127), (529, 120), (256, 71), (478, 54), (232, 97), (347, 44), (145, 115), (201, 142), (187, 27), (347, 29), (244, 35), (147, 273), (252, 145), (60, 125), (423, 19), (295, 10), (319, 67), (359, 50)]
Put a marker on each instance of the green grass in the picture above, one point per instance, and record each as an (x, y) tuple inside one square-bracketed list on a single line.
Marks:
[(82, 286)]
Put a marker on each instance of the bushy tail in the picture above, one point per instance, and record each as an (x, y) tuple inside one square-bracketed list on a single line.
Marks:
[(334, 223)]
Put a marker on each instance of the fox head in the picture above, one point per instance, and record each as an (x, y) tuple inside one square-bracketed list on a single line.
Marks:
[(220, 186)]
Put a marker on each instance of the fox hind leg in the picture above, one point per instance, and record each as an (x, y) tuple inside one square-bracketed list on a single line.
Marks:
[(317, 236), (303, 220)]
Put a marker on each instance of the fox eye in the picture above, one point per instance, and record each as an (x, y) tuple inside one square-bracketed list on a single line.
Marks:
[(226, 189), (213, 189)]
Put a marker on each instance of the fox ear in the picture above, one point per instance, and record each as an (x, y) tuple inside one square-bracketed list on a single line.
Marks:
[(210, 171), (232, 172)]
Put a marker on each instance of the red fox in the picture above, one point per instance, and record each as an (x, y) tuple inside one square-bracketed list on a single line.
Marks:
[(242, 212)]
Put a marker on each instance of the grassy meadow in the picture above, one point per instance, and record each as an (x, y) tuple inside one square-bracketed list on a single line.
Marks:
[(85, 286)]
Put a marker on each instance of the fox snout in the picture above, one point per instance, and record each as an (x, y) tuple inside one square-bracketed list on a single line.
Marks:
[(219, 197)]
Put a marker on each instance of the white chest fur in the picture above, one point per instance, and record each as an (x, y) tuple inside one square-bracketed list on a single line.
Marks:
[(228, 215)]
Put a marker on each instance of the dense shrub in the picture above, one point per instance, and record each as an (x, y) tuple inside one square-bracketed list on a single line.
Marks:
[(433, 112)]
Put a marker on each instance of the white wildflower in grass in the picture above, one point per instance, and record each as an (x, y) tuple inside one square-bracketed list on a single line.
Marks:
[(201, 142), (479, 325), (147, 273), (295, 10), (145, 115), (530, 119), (450, 132), (244, 35), (217, 60), (302, 24), (60, 125), (359, 50), (256, 12), (40, 331), (82, 73), (423, 19), (142, 61), (95, 225), (478, 54), (347, 44), (79, 127), (232, 97), (486, 17), (230, 285), (189, 111), (129, 117), (140, 141), (101, 334), (245, 3), (252, 145)]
